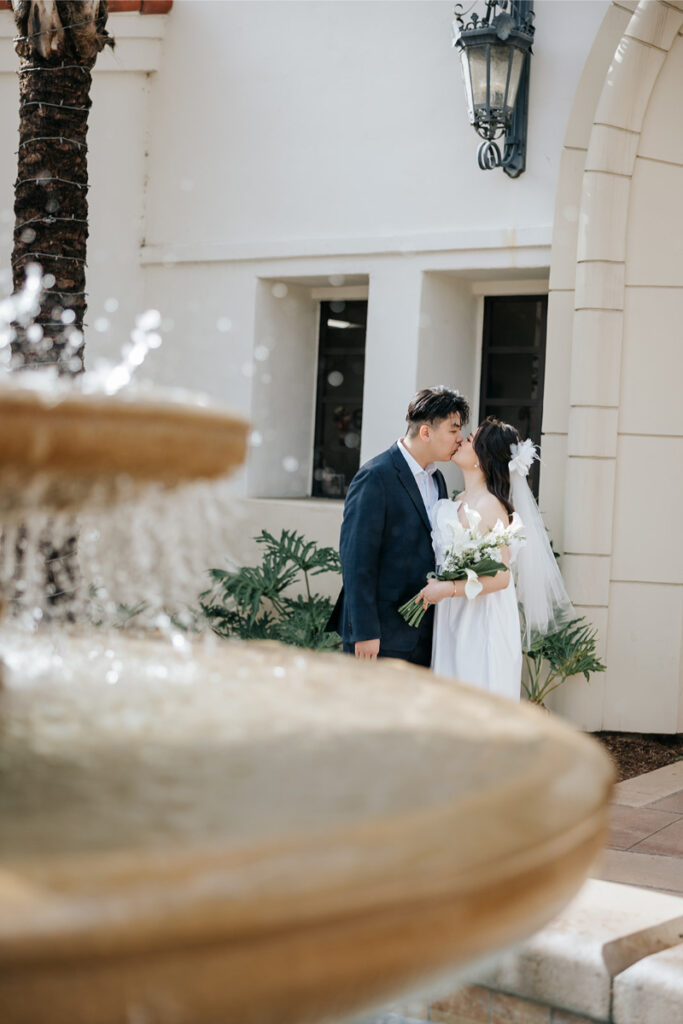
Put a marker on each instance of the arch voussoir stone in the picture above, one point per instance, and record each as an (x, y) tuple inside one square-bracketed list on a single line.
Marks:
[(599, 299)]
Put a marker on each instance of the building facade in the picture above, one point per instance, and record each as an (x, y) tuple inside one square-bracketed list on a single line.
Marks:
[(295, 186)]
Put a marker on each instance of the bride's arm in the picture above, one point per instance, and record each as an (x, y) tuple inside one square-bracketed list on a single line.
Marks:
[(437, 590), (491, 511)]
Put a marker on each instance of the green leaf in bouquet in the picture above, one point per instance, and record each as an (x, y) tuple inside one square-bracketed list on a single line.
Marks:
[(489, 567), (484, 567)]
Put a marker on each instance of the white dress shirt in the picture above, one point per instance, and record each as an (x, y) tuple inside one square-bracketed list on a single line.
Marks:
[(424, 478)]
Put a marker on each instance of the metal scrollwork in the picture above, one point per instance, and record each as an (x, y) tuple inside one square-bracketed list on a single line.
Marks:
[(489, 155), (498, 15), (478, 21)]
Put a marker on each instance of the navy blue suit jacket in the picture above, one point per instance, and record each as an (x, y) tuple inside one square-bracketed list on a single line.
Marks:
[(386, 552)]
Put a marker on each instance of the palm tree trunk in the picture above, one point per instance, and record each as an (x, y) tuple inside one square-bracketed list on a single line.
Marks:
[(58, 44)]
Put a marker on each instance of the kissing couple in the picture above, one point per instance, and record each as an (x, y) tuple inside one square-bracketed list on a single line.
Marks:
[(397, 526)]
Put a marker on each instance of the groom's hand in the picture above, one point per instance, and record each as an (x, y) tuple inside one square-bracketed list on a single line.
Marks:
[(367, 649)]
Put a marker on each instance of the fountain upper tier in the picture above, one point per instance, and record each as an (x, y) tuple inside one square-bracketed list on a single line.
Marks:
[(62, 449)]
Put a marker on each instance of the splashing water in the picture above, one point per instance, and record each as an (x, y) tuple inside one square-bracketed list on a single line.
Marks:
[(142, 553), (106, 377), (20, 308)]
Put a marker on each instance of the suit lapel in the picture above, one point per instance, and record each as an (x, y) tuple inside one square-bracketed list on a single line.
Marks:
[(408, 480), (441, 484)]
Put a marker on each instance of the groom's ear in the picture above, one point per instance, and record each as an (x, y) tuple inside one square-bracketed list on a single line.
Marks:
[(423, 432)]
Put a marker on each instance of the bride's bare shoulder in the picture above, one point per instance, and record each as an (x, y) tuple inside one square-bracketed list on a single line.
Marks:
[(491, 510)]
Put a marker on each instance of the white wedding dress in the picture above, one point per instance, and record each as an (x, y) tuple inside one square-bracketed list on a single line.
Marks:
[(478, 641)]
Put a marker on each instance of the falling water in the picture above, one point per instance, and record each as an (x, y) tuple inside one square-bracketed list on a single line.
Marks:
[(143, 552)]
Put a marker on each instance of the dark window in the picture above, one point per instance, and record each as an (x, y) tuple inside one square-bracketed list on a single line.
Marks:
[(513, 364), (339, 398)]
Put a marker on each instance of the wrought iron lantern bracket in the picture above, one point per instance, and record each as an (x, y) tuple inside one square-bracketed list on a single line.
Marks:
[(495, 50)]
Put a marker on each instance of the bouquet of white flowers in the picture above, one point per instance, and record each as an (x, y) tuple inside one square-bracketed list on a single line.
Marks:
[(464, 554)]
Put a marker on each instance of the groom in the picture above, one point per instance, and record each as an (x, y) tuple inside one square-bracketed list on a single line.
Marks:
[(385, 546)]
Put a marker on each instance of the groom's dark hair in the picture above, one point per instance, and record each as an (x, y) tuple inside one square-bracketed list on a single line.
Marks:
[(434, 404)]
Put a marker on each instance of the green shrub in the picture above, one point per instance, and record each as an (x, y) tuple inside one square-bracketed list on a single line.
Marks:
[(251, 602), (556, 657)]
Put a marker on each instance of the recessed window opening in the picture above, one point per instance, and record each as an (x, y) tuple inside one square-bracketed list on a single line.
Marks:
[(513, 365), (339, 396)]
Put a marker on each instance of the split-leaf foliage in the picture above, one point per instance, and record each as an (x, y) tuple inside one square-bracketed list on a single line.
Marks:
[(252, 602)]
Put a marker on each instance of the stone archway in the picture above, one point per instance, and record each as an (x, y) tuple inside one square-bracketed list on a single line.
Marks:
[(623, 311)]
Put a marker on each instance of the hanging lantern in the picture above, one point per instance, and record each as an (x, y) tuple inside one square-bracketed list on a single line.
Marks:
[(495, 51)]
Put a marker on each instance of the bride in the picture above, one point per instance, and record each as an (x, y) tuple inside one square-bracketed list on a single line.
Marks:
[(480, 640)]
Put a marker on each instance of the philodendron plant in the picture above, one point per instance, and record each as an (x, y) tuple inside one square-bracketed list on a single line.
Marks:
[(252, 602), (558, 656)]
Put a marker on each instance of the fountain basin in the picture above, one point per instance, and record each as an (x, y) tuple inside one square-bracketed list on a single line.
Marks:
[(257, 833), (62, 449)]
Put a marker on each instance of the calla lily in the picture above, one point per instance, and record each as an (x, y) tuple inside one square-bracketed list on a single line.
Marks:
[(516, 525), (473, 586), (498, 528), (473, 518)]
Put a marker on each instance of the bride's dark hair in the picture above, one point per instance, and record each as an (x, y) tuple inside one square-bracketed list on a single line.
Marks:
[(492, 447)]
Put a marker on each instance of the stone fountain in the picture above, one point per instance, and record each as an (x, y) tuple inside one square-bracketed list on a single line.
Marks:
[(243, 832)]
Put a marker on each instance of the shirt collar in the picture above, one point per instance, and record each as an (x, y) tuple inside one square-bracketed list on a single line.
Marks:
[(415, 467)]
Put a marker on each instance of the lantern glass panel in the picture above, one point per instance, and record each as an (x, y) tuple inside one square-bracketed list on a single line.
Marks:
[(465, 64), (500, 63), (515, 75), (475, 58)]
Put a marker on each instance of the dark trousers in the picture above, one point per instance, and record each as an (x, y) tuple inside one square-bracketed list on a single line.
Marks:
[(421, 654)]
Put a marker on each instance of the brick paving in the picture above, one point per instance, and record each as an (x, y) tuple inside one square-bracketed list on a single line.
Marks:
[(645, 845)]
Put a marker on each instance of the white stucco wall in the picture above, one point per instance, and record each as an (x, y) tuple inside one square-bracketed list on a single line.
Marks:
[(341, 120), (299, 141), (228, 138)]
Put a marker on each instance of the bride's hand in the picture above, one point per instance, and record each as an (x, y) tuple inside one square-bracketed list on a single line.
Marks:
[(436, 591)]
